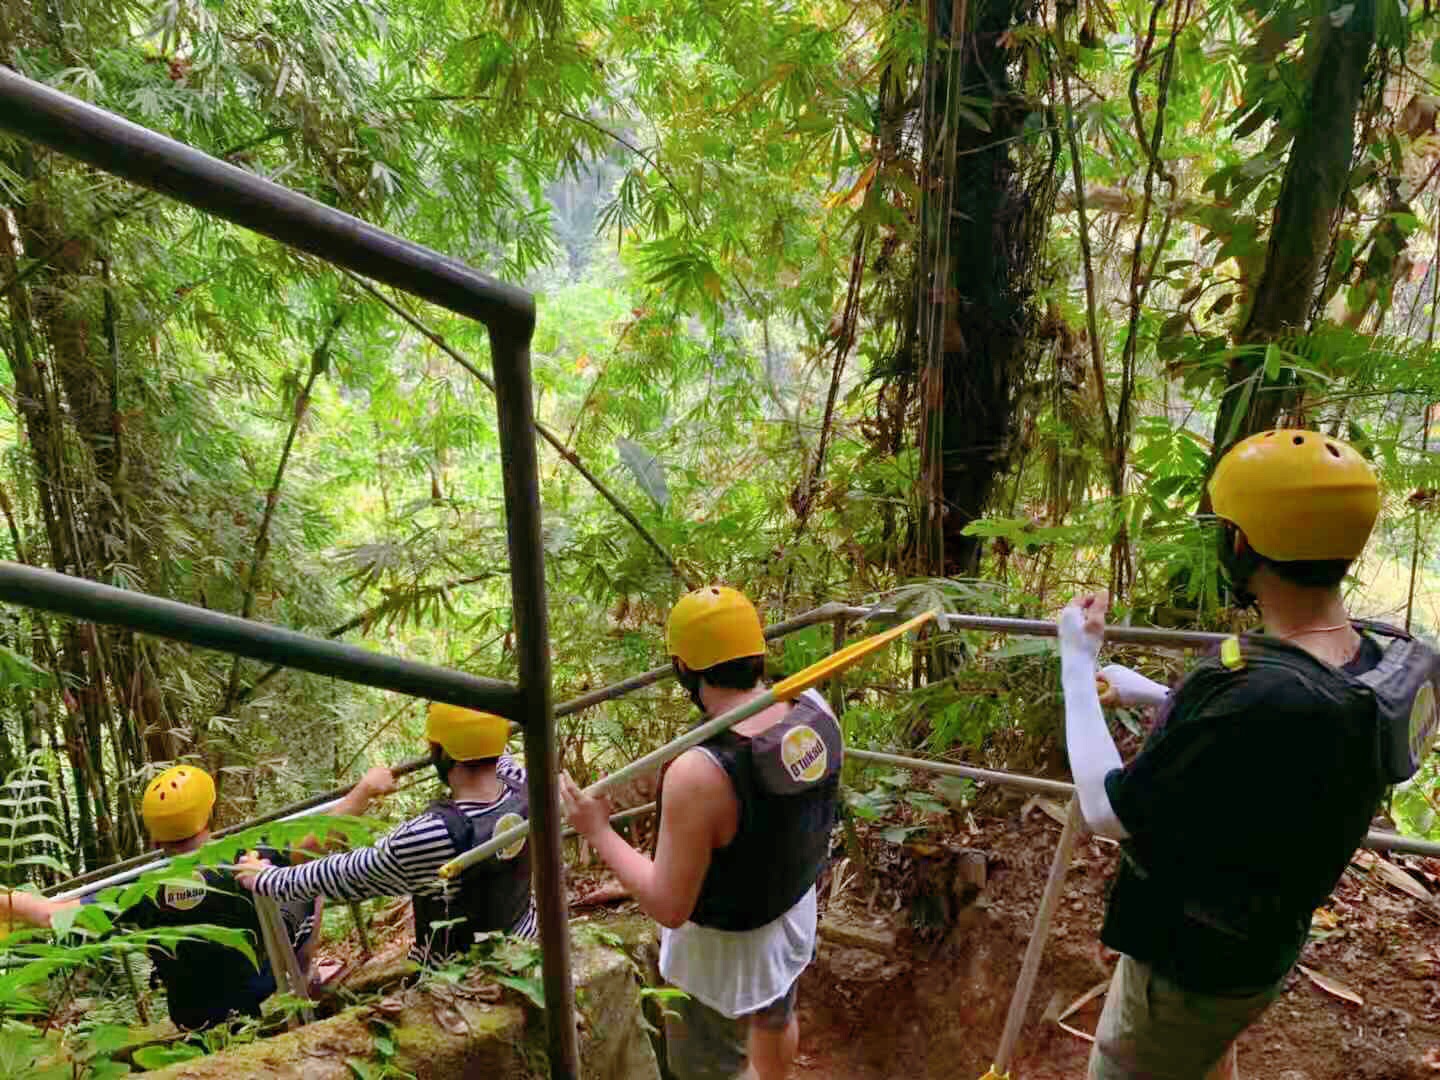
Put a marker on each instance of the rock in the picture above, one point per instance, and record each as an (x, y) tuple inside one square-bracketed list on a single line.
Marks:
[(860, 965), (857, 935), (475, 1038)]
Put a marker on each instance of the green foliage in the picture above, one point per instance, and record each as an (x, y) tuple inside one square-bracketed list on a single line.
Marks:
[(690, 189)]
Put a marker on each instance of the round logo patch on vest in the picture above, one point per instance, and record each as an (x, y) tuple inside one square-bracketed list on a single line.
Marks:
[(509, 821), (1424, 721), (804, 755), (184, 897)]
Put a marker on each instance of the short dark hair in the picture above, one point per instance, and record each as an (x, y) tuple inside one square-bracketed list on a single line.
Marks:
[(1315, 573), (742, 673)]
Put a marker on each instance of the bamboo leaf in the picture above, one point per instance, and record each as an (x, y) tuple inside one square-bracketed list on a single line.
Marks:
[(646, 469)]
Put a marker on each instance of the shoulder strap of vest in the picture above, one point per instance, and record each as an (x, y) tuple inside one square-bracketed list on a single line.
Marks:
[(457, 824)]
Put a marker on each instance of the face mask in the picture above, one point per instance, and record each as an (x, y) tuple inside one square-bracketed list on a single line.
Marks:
[(1237, 566), (690, 681)]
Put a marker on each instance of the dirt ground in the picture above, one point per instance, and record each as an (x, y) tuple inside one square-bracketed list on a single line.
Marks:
[(936, 1008), (932, 1003)]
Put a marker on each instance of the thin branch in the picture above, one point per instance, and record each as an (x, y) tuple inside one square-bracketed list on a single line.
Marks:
[(843, 344), (319, 361), (1097, 357), (544, 432)]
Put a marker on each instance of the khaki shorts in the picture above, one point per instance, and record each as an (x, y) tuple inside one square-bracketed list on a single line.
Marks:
[(1152, 1029), (702, 1044)]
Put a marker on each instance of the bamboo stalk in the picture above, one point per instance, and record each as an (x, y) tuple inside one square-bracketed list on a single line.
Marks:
[(319, 361), (284, 965)]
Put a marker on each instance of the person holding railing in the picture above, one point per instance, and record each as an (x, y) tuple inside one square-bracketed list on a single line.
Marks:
[(1260, 778), (745, 822), (206, 982), (487, 796)]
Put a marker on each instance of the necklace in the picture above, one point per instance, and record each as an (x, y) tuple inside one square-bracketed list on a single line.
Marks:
[(1318, 630), (1354, 652)]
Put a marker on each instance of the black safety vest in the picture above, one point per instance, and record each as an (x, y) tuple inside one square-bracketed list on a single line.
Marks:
[(787, 782), (205, 981), (1230, 928), (493, 894)]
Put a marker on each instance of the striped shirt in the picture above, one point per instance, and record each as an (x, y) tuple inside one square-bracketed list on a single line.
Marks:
[(404, 862)]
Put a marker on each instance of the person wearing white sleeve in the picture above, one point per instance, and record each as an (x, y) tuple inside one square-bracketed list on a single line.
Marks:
[(1129, 688), (1087, 739)]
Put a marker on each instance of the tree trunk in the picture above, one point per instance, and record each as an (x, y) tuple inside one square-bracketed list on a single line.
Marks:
[(992, 196), (1311, 194)]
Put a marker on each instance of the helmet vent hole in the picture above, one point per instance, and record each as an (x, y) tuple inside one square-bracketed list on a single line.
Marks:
[(1334, 451), (1299, 440), (1269, 434), (162, 796), (714, 591), (174, 786)]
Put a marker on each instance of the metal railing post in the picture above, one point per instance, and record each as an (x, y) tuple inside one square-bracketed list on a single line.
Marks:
[(284, 965), (515, 408), (1039, 933)]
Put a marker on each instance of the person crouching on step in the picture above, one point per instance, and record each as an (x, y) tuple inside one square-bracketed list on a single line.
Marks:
[(487, 796), (745, 821)]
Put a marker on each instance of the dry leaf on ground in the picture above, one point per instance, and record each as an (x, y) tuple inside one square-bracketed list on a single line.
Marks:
[(1331, 986)]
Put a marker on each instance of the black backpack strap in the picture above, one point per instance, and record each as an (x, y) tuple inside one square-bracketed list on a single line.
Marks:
[(457, 824)]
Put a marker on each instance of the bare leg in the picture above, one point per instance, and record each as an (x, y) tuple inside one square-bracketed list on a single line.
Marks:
[(1229, 1067), (772, 1051)]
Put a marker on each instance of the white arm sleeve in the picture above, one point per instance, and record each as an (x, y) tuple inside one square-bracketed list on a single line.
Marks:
[(1087, 740), (1132, 687)]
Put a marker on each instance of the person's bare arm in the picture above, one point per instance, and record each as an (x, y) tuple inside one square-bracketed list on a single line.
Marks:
[(376, 783), (32, 908), (698, 803)]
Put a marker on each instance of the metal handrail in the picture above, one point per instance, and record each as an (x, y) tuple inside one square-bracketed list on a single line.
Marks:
[(91, 601), (80, 130), (70, 126)]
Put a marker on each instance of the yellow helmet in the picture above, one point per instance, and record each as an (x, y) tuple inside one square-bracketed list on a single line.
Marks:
[(466, 734), (1297, 495), (177, 803), (712, 625)]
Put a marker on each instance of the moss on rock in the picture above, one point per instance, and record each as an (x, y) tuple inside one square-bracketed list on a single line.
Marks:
[(453, 1032)]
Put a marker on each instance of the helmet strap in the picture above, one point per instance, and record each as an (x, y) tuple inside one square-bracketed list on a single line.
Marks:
[(1239, 565)]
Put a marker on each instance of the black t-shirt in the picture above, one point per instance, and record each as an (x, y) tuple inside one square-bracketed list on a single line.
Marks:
[(205, 981), (1243, 808)]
